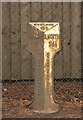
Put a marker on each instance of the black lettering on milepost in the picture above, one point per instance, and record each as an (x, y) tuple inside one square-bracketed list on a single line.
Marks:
[(51, 36)]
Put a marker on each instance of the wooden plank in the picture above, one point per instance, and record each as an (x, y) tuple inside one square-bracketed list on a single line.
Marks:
[(0, 47), (35, 16), (56, 12), (0, 57), (66, 40), (57, 17), (15, 41), (36, 11), (6, 41), (46, 12), (26, 58), (82, 43), (76, 40)]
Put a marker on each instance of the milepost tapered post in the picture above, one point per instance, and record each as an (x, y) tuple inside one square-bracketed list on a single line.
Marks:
[(43, 43)]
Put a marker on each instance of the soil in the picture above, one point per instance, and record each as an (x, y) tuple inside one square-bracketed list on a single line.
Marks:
[(17, 96)]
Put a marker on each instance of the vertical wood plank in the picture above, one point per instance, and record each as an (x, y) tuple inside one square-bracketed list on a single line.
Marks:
[(26, 59), (36, 11), (35, 17), (82, 40), (6, 41), (57, 17), (76, 40), (46, 12), (15, 41), (0, 49), (56, 12), (0, 57), (66, 40)]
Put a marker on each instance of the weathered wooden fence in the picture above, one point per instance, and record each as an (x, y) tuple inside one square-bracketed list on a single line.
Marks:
[(17, 61)]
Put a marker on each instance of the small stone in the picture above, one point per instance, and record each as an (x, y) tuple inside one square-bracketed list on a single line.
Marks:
[(76, 99), (5, 89), (81, 102)]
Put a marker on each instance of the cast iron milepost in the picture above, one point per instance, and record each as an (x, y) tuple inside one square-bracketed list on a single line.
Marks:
[(43, 43)]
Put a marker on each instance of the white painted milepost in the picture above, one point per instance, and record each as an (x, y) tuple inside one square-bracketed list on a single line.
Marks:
[(43, 43)]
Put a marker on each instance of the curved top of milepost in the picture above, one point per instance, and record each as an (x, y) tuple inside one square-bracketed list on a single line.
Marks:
[(47, 27)]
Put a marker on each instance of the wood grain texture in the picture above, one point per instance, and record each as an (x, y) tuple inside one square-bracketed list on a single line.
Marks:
[(76, 40), (82, 41), (46, 12), (66, 33), (57, 17), (26, 59), (17, 60), (6, 41), (15, 41), (0, 47), (36, 11)]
